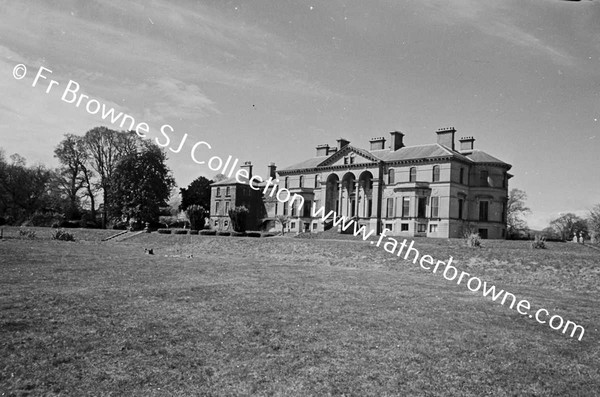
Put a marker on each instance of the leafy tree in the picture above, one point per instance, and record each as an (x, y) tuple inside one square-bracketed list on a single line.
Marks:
[(23, 190), (140, 184), (197, 193), (197, 216), (569, 224), (593, 222), (238, 216), (283, 220), (515, 210)]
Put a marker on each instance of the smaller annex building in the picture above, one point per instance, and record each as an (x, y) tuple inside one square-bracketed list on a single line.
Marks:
[(435, 190)]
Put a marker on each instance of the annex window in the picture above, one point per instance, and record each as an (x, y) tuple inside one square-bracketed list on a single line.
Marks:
[(217, 223), (391, 176), (461, 204), (404, 227), (301, 180), (227, 208), (217, 208), (405, 207), (413, 174), (436, 173), (435, 205), (422, 228), (389, 226), (227, 191), (433, 228), (390, 208), (218, 192), (483, 210), (483, 178), (293, 225)]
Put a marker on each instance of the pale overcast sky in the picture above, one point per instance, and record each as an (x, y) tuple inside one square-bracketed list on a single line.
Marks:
[(269, 80)]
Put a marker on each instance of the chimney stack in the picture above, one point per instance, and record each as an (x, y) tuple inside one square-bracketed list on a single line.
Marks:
[(342, 142), (446, 137), (272, 170), (466, 143), (397, 140), (322, 150), (377, 143), (248, 166)]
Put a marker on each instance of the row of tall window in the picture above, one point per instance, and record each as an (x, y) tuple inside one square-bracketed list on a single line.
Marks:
[(434, 207), (218, 208), (301, 182), (412, 175), (227, 191)]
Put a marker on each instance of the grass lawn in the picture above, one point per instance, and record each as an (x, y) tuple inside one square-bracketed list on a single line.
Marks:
[(288, 317)]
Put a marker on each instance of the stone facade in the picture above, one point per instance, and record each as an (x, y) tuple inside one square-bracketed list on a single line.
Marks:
[(434, 190)]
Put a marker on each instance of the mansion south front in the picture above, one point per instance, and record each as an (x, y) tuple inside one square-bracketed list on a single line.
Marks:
[(434, 190)]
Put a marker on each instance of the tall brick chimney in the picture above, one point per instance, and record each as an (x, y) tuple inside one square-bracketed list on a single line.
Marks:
[(322, 150), (377, 143), (341, 142), (272, 170), (446, 137), (248, 166), (396, 141), (466, 143)]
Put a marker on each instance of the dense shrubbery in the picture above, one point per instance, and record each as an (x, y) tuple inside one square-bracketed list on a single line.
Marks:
[(238, 216), (473, 240), (208, 232), (237, 234), (62, 235), (180, 231), (27, 233), (164, 231), (253, 234), (194, 232), (539, 242), (223, 233), (197, 216)]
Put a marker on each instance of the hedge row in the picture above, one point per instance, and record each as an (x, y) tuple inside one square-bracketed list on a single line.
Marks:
[(213, 232)]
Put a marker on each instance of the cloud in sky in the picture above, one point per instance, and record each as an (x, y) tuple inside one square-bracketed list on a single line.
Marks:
[(254, 78)]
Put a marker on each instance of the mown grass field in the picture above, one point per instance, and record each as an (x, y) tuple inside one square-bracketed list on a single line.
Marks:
[(288, 317)]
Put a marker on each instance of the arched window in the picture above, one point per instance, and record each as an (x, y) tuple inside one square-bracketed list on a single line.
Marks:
[(413, 174), (391, 176), (301, 180), (436, 173)]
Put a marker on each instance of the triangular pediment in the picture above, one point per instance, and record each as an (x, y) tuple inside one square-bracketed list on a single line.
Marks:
[(349, 155)]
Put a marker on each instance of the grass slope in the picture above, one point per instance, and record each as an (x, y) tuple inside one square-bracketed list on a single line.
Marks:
[(282, 316)]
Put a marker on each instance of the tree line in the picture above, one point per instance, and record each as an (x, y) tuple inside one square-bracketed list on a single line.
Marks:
[(562, 228), (105, 176)]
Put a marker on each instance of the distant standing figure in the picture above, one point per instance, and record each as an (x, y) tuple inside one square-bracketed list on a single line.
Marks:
[(581, 238), (575, 237)]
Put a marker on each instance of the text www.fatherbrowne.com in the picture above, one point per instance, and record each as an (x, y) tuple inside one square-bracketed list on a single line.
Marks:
[(449, 272)]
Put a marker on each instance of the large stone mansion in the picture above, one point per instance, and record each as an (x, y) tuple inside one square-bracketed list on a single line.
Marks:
[(434, 190)]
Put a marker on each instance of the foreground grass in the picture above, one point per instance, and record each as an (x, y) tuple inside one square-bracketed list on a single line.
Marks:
[(285, 316)]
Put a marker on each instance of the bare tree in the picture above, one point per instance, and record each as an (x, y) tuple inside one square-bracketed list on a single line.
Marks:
[(515, 210), (105, 148), (283, 220)]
